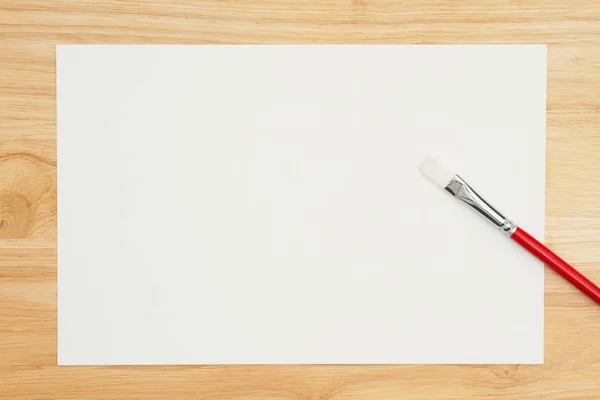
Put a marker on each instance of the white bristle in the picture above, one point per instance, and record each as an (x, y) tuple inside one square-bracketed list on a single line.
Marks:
[(439, 175)]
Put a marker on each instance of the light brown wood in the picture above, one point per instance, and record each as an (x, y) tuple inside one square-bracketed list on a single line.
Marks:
[(29, 31)]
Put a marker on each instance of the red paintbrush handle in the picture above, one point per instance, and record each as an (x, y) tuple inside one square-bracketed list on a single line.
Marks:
[(557, 264)]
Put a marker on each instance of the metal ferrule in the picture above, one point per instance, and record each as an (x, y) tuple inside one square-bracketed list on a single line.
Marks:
[(462, 191)]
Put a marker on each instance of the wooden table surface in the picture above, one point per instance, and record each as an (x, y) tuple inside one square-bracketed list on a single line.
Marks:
[(29, 31)]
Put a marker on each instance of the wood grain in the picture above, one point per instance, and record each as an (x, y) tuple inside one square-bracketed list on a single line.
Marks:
[(29, 31)]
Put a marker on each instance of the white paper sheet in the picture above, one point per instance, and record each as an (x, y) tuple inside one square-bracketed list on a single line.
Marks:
[(262, 204)]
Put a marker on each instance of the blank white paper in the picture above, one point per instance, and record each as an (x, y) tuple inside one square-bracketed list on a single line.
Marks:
[(262, 204)]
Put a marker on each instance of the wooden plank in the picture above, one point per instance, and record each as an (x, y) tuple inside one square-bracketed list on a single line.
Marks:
[(30, 30)]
